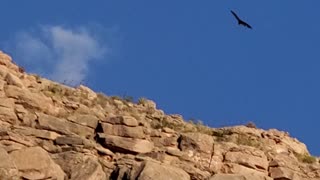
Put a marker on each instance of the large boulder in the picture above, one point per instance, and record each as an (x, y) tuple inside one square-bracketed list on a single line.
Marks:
[(122, 130), (249, 157), (35, 163), (238, 177), (30, 99), (27, 131), (14, 80), (63, 126), (123, 120), (197, 142), (84, 119), (154, 170), (8, 169), (79, 166), (8, 115), (127, 145)]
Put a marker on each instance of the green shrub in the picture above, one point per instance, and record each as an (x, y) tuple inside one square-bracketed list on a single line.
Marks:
[(305, 158), (101, 99), (250, 124), (244, 139), (142, 100)]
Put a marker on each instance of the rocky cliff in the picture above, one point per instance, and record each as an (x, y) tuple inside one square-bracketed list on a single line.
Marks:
[(52, 131)]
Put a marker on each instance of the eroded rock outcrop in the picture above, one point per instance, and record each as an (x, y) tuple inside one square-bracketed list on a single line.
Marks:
[(52, 131)]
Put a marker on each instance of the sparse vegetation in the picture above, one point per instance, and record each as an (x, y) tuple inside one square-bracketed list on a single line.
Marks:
[(101, 99), (54, 90), (200, 127), (221, 134), (250, 124), (124, 98), (247, 140), (128, 98), (142, 100), (190, 126), (165, 123), (305, 158)]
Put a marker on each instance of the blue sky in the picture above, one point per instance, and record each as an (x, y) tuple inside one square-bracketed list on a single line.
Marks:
[(190, 57)]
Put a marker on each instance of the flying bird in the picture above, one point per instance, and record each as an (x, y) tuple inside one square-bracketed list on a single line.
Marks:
[(240, 22)]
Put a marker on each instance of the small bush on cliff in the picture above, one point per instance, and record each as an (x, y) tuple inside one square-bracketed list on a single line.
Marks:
[(101, 99), (250, 124), (142, 100), (53, 90), (305, 158), (159, 124), (200, 127), (244, 139)]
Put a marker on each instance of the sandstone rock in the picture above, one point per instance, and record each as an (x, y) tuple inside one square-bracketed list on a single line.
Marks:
[(88, 169), (284, 139), (126, 172), (7, 61), (3, 71), (237, 177), (8, 115), (168, 130), (69, 140), (165, 141), (27, 98), (283, 160), (7, 103), (14, 80), (232, 168), (148, 103), (197, 142), (35, 163), (91, 94), (249, 159), (2, 82), (5, 160), (174, 151), (153, 170), (36, 132), (96, 137), (123, 131), (80, 166), (244, 130), (26, 141), (19, 108), (85, 119), (103, 150), (28, 118), (122, 120), (63, 126), (282, 173), (195, 173), (128, 145), (10, 146)]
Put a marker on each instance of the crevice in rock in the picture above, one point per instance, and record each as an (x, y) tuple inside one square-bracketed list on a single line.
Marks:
[(98, 130), (179, 142)]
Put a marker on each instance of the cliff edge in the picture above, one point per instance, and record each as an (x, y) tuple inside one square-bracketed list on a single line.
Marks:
[(52, 131)]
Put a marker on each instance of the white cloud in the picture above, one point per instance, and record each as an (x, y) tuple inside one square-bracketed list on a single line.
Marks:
[(62, 54)]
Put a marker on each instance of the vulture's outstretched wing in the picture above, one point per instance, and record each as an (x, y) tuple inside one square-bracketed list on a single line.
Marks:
[(235, 15), (246, 25), (240, 22)]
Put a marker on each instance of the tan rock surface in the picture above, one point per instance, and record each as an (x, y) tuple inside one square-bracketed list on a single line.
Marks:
[(53, 131), (35, 163), (153, 170)]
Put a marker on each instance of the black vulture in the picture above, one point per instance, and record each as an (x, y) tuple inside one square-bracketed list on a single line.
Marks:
[(240, 22)]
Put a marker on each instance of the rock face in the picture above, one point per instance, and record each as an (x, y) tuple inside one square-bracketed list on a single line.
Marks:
[(52, 131), (35, 163), (152, 170)]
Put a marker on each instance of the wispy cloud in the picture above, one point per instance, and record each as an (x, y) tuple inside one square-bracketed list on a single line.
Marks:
[(60, 53)]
